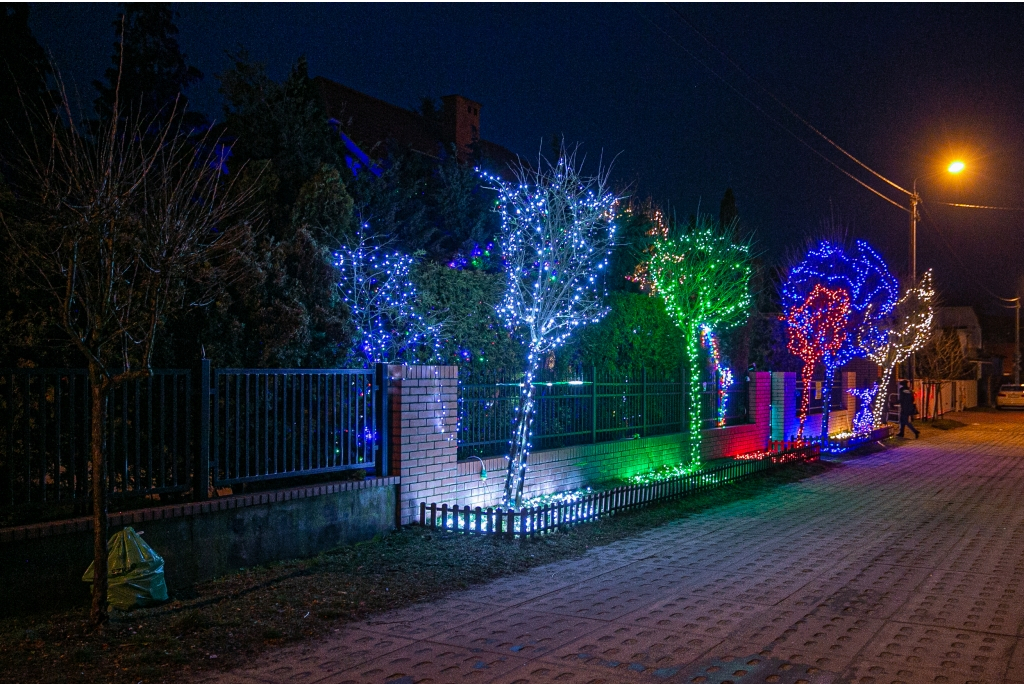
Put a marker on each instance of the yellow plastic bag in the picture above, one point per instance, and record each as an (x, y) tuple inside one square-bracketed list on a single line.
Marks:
[(135, 572)]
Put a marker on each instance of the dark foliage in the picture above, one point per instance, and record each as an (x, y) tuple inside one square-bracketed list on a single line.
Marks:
[(148, 71)]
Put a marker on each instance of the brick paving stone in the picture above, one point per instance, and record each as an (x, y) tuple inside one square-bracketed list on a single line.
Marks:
[(902, 566)]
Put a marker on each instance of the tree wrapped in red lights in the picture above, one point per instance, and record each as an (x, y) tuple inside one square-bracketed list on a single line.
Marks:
[(819, 326), (871, 291)]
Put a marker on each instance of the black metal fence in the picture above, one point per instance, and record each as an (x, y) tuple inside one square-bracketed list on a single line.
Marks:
[(596, 407), (167, 434), (836, 401), (279, 423)]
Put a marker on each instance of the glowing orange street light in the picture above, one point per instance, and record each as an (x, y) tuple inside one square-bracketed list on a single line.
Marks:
[(955, 167)]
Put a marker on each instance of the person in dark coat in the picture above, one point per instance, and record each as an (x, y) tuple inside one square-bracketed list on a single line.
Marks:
[(906, 397)]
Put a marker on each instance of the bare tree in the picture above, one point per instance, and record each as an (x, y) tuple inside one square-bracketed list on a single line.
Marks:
[(116, 229), (556, 233), (942, 358)]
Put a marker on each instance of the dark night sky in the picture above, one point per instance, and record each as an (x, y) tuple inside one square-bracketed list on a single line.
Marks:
[(903, 87)]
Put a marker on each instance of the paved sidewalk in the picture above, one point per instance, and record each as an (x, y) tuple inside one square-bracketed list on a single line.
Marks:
[(901, 566)]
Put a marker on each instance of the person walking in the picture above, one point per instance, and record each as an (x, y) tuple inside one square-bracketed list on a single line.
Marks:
[(907, 409)]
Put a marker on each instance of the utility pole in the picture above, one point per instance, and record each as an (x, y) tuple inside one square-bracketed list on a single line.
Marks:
[(915, 199), (1016, 344), (1016, 336)]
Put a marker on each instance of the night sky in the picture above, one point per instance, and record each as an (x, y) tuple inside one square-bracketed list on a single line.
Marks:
[(904, 88)]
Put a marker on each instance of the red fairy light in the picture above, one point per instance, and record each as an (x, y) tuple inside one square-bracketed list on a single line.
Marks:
[(819, 326)]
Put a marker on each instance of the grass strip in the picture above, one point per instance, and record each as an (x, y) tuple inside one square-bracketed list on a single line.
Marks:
[(227, 622)]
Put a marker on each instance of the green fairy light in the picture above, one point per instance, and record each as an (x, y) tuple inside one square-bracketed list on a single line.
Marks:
[(703, 276)]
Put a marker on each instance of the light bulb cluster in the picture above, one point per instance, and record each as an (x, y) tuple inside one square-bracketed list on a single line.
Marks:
[(557, 230), (835, 301), (906, 330), (381, 297), (722, 373), (863, 420), (703, 277)]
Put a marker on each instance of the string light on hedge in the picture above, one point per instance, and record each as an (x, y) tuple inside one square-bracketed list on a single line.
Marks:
[(381, 297), (863, 421)]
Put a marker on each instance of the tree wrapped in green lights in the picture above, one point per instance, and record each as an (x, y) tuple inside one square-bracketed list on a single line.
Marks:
[(703, 276), (557, 228)]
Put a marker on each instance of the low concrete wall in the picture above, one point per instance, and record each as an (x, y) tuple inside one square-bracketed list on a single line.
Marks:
[(42, 565)]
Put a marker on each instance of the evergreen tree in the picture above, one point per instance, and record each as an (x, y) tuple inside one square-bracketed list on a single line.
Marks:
[(148, 63), (727, 212)]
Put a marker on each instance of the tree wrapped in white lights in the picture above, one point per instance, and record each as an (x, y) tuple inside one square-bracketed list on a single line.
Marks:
[(907, 329), (380, 295), (704, 278), (557, 228)]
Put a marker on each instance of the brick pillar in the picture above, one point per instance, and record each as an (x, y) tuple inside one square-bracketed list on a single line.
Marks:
[(759, 402), (424, 439), (785, 421)]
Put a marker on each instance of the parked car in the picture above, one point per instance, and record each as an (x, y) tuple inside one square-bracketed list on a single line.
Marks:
[(1010, 396)]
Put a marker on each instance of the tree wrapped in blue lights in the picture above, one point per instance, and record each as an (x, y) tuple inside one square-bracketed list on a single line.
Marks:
[(375, 284), (858, 277), (557, 228), (703, 276)]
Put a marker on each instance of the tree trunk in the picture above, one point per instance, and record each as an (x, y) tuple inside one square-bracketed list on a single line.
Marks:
[(826, 400), (693, 399), (805, 398), (97, 401), (882, 398), (519, 448)]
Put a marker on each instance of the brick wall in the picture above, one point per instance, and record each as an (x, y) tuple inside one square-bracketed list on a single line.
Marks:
[(425, 399)]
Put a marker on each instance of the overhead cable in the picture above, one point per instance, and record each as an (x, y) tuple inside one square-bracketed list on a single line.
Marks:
[(787, 107), (769, 117)]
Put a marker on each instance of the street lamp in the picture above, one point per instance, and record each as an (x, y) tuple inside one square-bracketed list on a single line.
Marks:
[(955, 167)]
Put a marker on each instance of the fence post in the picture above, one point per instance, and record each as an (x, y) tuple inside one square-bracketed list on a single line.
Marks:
[(593, 405), (203, 467), (643, 395), (383, 420)]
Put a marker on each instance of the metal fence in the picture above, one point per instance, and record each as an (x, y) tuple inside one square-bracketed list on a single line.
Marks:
[(279, 423), (836, 401), (166, 434), (595, 407)]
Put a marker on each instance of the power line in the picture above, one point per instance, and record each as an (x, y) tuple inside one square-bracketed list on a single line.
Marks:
[(785, 106), (960, 204), (967, 271), (768, 116)]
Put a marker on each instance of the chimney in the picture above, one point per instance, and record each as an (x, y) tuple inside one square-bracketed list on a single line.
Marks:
[(461, 118)]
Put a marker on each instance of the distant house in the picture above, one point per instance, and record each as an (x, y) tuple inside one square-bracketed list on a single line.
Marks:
[(371, 122), (964, 321)]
